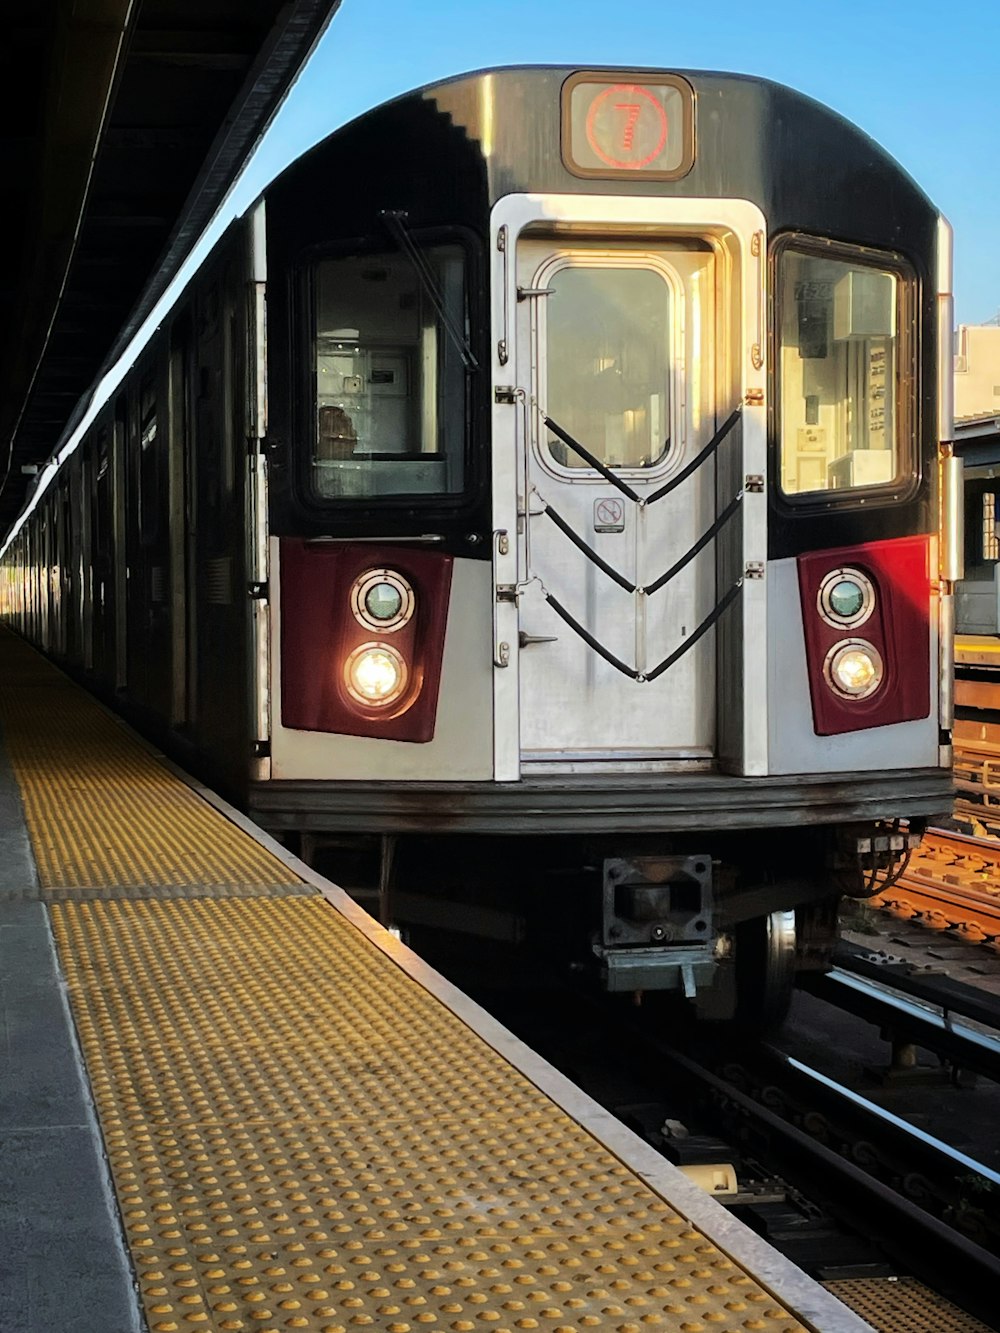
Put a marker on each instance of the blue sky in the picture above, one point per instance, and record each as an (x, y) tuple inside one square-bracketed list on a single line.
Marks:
[(920, 77)]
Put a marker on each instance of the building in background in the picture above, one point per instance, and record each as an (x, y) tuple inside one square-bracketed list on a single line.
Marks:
[(977, 440), (977, 371)]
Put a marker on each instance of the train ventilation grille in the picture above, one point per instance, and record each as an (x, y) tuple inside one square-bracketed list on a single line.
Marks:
[(219, 580)]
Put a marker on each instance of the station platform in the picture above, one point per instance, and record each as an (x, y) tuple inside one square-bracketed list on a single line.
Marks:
[(231, 1101), (977, 650)]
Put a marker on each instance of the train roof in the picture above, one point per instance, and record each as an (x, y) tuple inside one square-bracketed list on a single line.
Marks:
[(447, 151), (717, 94)]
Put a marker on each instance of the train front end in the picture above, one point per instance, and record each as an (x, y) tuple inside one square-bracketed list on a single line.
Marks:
[(604, 515)]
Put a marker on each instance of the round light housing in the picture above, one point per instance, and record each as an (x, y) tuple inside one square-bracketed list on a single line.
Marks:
[(382, 599), (854, 669), (846, 597), (375, 674)]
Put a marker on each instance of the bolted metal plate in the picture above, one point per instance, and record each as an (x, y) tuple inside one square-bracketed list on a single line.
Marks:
[(893, 1304)]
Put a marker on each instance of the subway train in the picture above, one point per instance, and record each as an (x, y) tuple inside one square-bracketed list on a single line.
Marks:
[(539, 510), (977, 625)]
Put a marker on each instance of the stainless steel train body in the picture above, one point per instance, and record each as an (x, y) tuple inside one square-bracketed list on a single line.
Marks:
[(541, 485)]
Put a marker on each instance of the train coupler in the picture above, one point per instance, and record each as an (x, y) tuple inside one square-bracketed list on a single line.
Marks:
[(657, 924)]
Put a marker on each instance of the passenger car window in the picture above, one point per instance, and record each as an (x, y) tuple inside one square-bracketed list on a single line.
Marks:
[(390, 381), (842, 355)]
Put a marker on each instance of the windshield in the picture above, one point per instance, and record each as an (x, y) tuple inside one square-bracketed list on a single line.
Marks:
[(390, 379), (840, 359)]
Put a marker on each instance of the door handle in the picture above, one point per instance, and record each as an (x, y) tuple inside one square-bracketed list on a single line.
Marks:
[(525, 640)]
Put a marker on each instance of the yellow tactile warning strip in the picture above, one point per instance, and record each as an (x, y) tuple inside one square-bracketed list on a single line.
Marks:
[(977, 643), (101, 812), (892, 1305), (303, 1138), (300, 1135)]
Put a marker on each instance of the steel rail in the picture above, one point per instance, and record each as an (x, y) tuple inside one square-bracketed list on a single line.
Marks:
[(977, 907), (934, 887), (917, 1239), (954, 998), (921, 1155), (910, 1019), (989, 846)]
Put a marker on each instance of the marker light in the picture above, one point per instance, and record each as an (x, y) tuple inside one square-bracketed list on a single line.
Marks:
[(846, 597), (382, 600), (854, 669), (375, 674)]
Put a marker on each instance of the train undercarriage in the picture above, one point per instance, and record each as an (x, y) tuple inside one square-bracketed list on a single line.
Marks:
[(725, 921)]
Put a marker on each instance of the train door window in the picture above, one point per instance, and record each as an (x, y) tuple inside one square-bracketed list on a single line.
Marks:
[(844, 370), (607, 345), (390, 405)]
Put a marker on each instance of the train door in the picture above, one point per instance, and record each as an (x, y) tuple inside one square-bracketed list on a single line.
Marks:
[(616, 353), (138, 610), (102, 542), (219, 586), (154, 547), (182, 528), (86, 567), (45, 577), (67, 586), (56, 574), (120, 552), (34, 626)]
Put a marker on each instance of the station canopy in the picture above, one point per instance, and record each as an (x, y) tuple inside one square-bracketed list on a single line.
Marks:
[(122, 124)]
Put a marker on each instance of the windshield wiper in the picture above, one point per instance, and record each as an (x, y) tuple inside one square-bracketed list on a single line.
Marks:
[(395, 221)]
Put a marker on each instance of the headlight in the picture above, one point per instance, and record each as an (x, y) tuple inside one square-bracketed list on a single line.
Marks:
[(375, 674), (854, 669), (846, 597), (382, 600)]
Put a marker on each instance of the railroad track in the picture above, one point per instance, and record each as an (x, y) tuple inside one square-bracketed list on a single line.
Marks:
[(928, 1205), (842, 1184), (952, 883), (977, 785)]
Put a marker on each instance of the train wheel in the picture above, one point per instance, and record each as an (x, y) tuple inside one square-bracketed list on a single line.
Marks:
[(765, 969)]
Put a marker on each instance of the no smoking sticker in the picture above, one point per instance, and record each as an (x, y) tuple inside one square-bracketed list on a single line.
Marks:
[(609, 515)]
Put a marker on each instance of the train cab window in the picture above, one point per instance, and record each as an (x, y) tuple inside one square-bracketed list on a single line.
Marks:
[(608, 363), (843, 362), (390, 378)]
